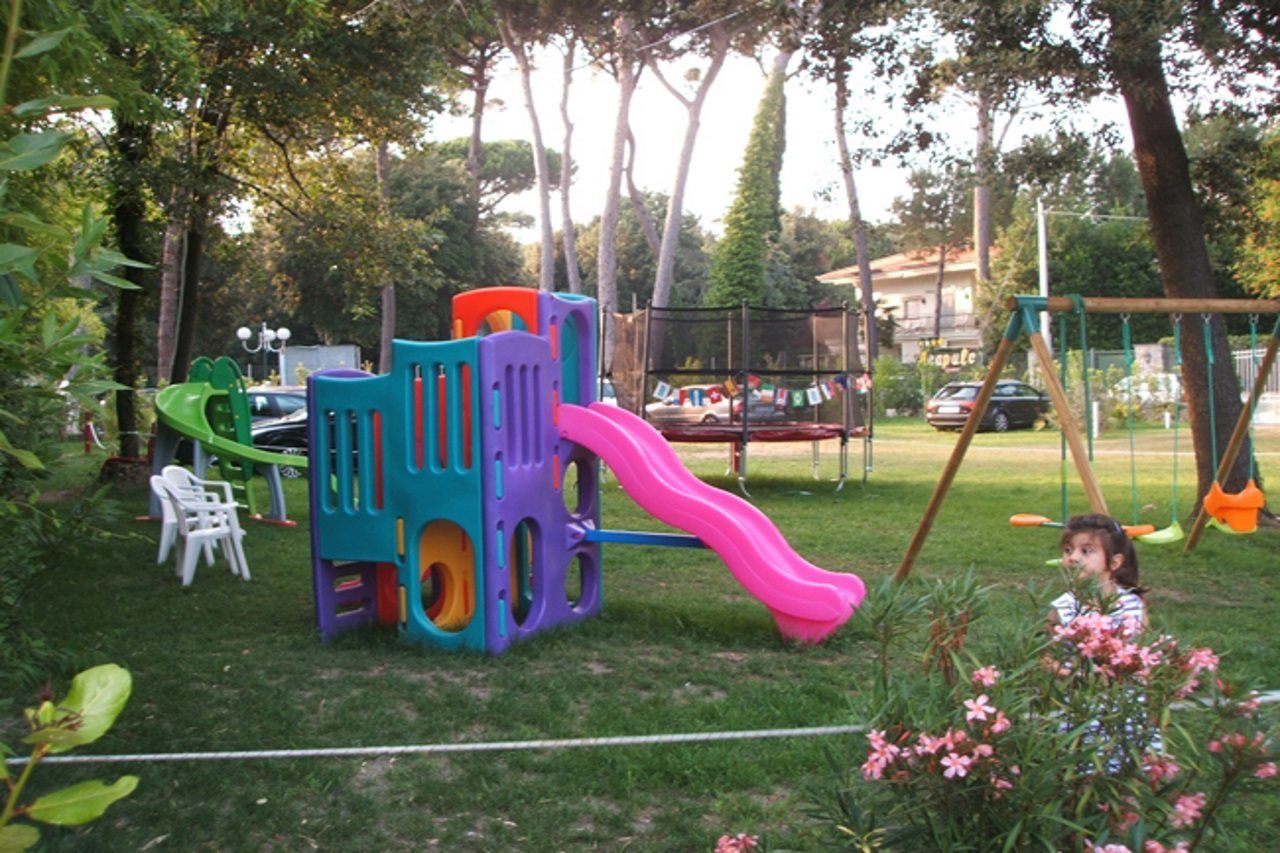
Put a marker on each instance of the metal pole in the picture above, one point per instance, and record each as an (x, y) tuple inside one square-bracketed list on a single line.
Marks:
[(1042, 245)]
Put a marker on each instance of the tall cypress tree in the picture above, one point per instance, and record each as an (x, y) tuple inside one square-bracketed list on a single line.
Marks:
[(738, 265)]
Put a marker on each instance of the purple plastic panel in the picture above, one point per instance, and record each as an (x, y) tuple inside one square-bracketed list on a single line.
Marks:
[(523, 465), (334, 613)]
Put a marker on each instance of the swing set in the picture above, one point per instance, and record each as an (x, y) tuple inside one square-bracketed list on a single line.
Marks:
[(1235, 512)]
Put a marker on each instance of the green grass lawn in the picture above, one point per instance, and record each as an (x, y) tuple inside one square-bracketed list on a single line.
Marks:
[(680, 647)]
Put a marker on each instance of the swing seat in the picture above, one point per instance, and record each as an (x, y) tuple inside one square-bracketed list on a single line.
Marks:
[(1238, 511), (1164, 536), (1027, 519)]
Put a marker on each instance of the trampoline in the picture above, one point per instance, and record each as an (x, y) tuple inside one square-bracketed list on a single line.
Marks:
[(741, 375)]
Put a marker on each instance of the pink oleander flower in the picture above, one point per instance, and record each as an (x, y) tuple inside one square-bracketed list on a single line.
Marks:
[(1215, 746), (929, 745), (736, 843), (985, 677), (1247, 707), (978, 708), (957, 765), (1153, 846), (1266, 770), (1159, 768), (954, 738), (1000, 783), (1186, 809), (983, 750), (1001, 723), (1198, 659), (1107, 848)]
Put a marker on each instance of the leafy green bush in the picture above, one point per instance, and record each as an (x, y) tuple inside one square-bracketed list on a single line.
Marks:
[(48, 370), (96, 698), (1032, 741)]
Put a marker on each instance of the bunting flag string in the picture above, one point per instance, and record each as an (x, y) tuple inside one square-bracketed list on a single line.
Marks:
[(779, 396)]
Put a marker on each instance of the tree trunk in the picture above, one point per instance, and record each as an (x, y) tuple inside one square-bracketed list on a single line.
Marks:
[(671, 227), (546, 259), (475, 148), (1177, 229), (568, 236), (132, 142), (637, 199), (983, 157), (607, 255), (862, 254), (387, 334), (170, 285), (189, 297)]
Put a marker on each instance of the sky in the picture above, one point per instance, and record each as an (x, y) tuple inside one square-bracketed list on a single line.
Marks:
[(810, 176), (658, 120)]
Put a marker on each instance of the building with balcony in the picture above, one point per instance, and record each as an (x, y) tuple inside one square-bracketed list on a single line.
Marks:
[(906, 288)]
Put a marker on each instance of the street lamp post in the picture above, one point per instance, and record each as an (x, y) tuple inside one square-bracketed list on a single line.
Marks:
[(269, 341)]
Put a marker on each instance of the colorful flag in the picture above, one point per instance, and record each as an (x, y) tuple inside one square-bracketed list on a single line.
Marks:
[(813, 394), (767, 392), (684, 397), (753, 380), (730, 386), (842, 380), (714, 394), (780, 398), (797, 399), (697, 397), (662, 390)]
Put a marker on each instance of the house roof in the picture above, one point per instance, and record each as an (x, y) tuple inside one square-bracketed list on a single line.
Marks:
[(905, 264)]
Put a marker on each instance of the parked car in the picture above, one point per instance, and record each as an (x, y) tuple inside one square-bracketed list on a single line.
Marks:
[(286, 435), (267, 403), (671, 411), (1013, 405)]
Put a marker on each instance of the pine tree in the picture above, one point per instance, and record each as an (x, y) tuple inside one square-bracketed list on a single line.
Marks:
[(738, 266)]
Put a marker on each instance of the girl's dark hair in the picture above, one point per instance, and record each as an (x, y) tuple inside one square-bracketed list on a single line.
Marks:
[(1114, 541)]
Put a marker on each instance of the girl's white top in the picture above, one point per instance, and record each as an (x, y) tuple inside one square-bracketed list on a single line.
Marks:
[(1127, 609)]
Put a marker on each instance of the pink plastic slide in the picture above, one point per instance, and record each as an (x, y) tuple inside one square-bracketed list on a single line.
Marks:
[(808, 603)]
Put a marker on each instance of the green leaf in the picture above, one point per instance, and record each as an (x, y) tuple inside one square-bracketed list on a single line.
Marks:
[(64, 103), (114, 280), (111, 256), (80, 803), (18, 836), (27, 222), (15, 258), (42, 43), (28, 151), (25, 458), (96, 698), (10, 293)]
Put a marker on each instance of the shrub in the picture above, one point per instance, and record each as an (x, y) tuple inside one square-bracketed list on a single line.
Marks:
[(1091, 737)]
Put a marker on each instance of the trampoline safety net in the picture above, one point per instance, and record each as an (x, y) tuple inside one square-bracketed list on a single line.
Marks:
[(787, 365)]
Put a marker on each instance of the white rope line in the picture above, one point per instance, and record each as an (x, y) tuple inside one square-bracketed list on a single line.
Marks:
[(446, 748), (482, 746)]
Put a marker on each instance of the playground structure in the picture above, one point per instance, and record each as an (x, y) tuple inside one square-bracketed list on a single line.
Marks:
[(804, 363), (1025, 318), (457, 496), (212, 410)]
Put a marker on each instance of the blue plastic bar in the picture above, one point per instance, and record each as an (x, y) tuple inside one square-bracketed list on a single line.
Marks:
[(635, 537)]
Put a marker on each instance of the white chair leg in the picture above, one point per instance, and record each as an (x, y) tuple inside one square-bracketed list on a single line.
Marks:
[(189, 556), (236, 543), (208, 553), (167, 534)]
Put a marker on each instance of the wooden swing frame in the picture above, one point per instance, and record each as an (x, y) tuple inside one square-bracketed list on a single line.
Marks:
[(1025, 317)]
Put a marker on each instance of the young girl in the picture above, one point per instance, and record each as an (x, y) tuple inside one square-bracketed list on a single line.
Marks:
[(1095, 547)]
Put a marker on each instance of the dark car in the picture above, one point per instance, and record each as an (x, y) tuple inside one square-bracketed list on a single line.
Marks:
[(267, 403), (1013, 405), (284, 435)]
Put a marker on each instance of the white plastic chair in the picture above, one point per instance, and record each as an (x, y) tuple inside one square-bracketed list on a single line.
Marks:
[(203, 516)]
